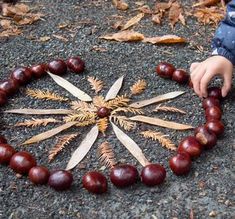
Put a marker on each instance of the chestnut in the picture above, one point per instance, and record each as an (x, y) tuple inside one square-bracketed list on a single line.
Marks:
[(214, 92), (21, 162), (39, 70), (124, 175), (180, 76), (21, 75), (180, 164), (39, 175), (215, 126), (153, 174), (95, 182), (57, 67), (165, 70), (3, 140), (76, 64), (103, 112), (6, 152), (206, 138), (60, 180), (191, 146), (210, 101), (9, 86), (213, 113), (3, 98)]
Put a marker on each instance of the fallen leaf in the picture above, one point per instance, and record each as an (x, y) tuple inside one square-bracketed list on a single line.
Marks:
[(12, 10), (98, 49), (39, 111), (156, 18), (60, 38), (162, 6), (176, 14), (44, 39), (166, 39), (114, 90), (133, 21), (206, 3), (124, 36), (161, 123), (6, 24), (120, 4), (131, 146), (83, 148), (145, 9)]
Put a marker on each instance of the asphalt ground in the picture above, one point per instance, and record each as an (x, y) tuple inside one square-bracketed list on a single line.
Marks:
[(208, 189)]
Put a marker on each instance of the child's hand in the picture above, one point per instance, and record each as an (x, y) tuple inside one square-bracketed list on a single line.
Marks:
[(203, 72)]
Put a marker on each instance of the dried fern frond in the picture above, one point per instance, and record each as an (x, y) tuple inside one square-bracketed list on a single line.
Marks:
[(127, 110), (119, 101), (37, 122), (96, 84), (169, 109), (61, 143), (83, 106), (47, 95), (106, 155), (99, 101), (80, 117), (86, 123), (124, 122), (160, 137), (102, 124), (138, 87)]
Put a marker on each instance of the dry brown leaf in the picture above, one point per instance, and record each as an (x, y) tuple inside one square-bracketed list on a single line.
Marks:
[(124, 122), (166, 39), (161, 123), (114, 90), (176, 14), (37, 122), (138, 87), (156, 18), (99, 49), (60, 145), (162, 6), (44, 39), (133, 21), (86, 123), (158, 136), (96, 84), (168, 109), (80, 117), (99, 101), (102, 125), (13, 31), (127, 110), (83, 106), (124, 36), (119, 101), (39, 111), (106, 155), (145, 9), (120, 5), (12, 10), (206, 3), (60, 37), (6, 24)]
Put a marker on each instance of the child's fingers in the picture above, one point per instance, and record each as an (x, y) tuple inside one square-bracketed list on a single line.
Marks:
[(227, 84), (205, 81), (193, 66), (196, 78)]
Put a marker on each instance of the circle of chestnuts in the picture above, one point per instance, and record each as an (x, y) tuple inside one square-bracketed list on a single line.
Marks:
[(123, 175)]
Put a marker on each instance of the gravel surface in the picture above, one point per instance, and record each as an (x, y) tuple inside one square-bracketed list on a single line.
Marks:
[(208, 189)]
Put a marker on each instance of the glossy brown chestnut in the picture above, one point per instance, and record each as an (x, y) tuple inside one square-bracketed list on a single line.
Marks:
[(21, 75), (165, 70), (76, 64), (214, 92), (39, 70), (9, 86), (210, 101), (215, 126), (213, 113), (3, 140), (180, 164), (124, 175), (21, 162), (180, 76), (95, 182), (6, 152), (60, 180), (3, 98), (39, 175), (191, 146), (153, 174), (57, 67), (103, 112)]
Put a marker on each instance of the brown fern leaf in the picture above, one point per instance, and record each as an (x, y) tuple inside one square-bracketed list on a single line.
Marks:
[(106, 155), (158, 136), (119, 101), (61, 143), (138, 87), (83, 106), (96, 84), (47, 95), (102, 124), (127, 110), (80, 117), (36, 122), (169, 109), (99, 101), (124, 122), (86, 123)]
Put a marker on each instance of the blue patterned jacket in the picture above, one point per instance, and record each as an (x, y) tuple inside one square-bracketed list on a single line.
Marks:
[(224, 41)]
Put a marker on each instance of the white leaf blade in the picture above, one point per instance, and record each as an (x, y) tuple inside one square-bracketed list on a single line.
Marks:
[(157, 99), (114, 90), (39, 111), (81, 95), (131, 146), (83, 148)]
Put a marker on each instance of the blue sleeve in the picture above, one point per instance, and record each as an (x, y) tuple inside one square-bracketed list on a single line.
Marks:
[(224, 40)]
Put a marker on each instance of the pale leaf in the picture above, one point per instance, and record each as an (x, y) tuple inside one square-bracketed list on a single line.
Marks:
[(161, 123), (166, 39), (160, 98), (49, 134), (120, 5), (40, 111), (133, 148), (133, 21), (81, 95), (169, 109), (124, 36), (83, 148), (206, 3), (114, 90), (138, 87)]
